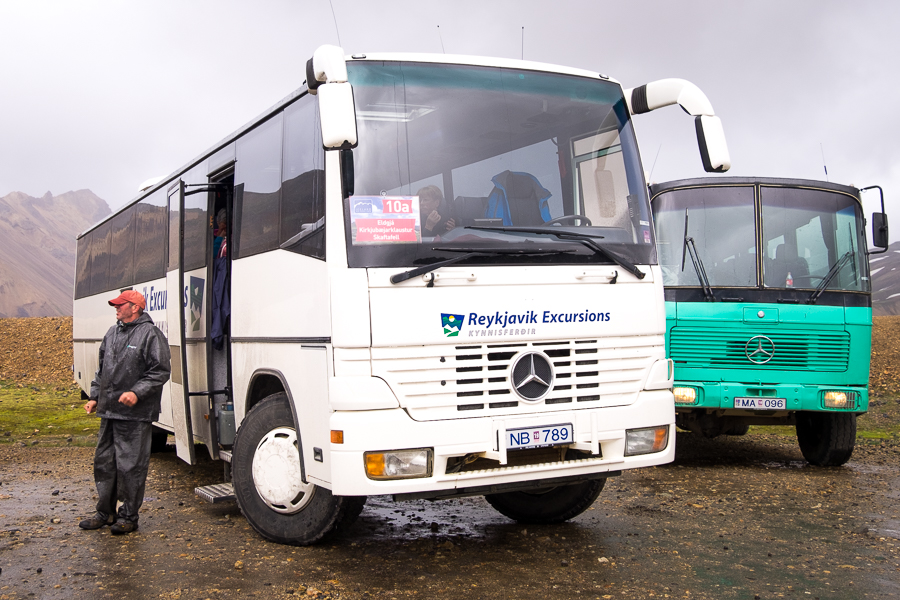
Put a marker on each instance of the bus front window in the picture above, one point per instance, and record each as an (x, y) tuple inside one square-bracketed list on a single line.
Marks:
[(447, 149), (720, 222), (806, 234)]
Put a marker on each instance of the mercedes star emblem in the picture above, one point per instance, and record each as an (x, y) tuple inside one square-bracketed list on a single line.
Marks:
[(532, 376), (760, 349)]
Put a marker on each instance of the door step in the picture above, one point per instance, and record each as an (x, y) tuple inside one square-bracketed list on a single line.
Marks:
[(218, 492)]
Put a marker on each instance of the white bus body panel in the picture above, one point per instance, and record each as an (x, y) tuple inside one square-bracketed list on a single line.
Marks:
[(414, 356)]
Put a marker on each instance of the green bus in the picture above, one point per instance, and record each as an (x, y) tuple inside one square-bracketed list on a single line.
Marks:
[(768, 306)]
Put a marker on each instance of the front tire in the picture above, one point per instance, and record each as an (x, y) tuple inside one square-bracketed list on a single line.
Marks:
[(547, 505), (266, 474), (826, 439)]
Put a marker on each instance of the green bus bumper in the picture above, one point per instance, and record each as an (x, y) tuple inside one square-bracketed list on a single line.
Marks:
[(720, 396)]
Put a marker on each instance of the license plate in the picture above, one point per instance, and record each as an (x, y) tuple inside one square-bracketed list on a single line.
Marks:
[(760, 403), (537, 437)]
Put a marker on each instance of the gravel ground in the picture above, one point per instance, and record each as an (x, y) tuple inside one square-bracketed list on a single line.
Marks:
[(731, 518)]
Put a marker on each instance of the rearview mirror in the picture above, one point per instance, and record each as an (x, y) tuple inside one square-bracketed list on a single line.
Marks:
[(337, 115), (880, 230), (713, 149)]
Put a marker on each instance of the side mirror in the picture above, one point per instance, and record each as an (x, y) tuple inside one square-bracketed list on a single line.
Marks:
[(326, 77), (711, 139), (880, 230), (347, 175), (337, 114)]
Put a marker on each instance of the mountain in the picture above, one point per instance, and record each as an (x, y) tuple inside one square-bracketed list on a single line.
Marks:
[(37, 250), (885, 271)]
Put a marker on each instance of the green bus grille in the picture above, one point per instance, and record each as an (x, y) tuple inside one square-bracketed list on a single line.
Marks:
[(794, 350)]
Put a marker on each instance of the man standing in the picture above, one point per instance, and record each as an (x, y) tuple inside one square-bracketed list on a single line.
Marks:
[(126, 393)]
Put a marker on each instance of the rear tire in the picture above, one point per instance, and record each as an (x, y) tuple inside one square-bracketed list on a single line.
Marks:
[(547, 505), (266, 474), (826, 439)]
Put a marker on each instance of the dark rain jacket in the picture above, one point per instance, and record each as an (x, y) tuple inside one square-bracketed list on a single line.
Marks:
[(133, 357)]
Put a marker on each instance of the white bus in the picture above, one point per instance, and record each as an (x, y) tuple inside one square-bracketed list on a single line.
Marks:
[(512, 346)]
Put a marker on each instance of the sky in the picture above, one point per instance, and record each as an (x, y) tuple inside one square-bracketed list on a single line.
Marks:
[(103, 95)]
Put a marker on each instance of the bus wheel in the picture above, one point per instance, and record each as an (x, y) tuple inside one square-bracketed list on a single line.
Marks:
[(738, 428), (266, 474), (547, 505), (159, 439), (826, 439)]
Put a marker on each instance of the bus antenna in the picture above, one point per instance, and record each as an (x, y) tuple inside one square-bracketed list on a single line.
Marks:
[(440, 37), (523, 42), (824, 166), (333, 16)]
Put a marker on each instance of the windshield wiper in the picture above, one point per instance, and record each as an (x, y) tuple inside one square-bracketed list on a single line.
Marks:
[(469, 252), (829, 277), (584, 239), (690, 246)]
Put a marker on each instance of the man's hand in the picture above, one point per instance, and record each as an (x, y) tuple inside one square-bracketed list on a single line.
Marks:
[(128, 399), (451, 223), (433, 219), (90, 406)]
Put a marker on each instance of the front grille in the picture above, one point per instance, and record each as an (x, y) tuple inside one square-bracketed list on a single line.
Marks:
[(452, 382), (794, 350)]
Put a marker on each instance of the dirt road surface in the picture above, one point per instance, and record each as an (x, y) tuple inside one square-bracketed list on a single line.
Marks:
[(731, 518)]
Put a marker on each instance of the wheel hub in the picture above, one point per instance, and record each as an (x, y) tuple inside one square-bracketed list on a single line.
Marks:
[(276, 472)]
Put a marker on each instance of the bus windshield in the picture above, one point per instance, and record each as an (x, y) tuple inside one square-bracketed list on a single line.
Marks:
[(460, 158), (811, 238), (809, 233)]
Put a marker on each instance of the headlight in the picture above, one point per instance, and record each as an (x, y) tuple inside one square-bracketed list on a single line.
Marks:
[(399, 464), (835, 399), (646, 440), (685, 395)]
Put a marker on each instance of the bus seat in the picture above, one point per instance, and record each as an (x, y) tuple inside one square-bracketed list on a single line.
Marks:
[(465, 209), (519, 199)]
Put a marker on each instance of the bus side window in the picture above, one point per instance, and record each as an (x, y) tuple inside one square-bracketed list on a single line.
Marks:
[(121, 256), (258, 176), (83, 266), (150, 238), (100, 259), (303, 190)]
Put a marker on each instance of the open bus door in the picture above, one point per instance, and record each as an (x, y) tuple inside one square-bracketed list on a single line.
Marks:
[(181, 403)]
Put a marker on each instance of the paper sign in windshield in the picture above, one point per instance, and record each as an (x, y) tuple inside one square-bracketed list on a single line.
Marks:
[(385, 219)]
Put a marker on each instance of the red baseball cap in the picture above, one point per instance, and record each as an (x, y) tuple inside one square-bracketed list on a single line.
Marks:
[(132, 296)]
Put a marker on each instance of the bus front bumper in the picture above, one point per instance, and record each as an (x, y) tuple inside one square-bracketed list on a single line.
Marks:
[(599, 436), (759, 399)]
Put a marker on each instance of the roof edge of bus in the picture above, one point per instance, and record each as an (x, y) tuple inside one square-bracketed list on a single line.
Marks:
[(477, 61), (656, 188)]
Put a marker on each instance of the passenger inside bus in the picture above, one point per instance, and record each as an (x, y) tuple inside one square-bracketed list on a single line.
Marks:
[(434, 212)]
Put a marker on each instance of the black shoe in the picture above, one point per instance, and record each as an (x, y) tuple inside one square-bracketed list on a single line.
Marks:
[(122, 527), (96, 522)]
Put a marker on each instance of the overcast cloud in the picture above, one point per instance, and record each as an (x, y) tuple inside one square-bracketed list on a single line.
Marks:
[(104, 95)]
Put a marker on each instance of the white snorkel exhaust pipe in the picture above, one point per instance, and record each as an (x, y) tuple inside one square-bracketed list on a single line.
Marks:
[(710, 135)]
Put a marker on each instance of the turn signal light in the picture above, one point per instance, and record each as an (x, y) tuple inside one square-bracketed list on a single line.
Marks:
[(647, 440), (399, 464), (337, 436)]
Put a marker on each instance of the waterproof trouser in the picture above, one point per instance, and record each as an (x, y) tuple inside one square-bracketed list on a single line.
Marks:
[(120, 466)]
